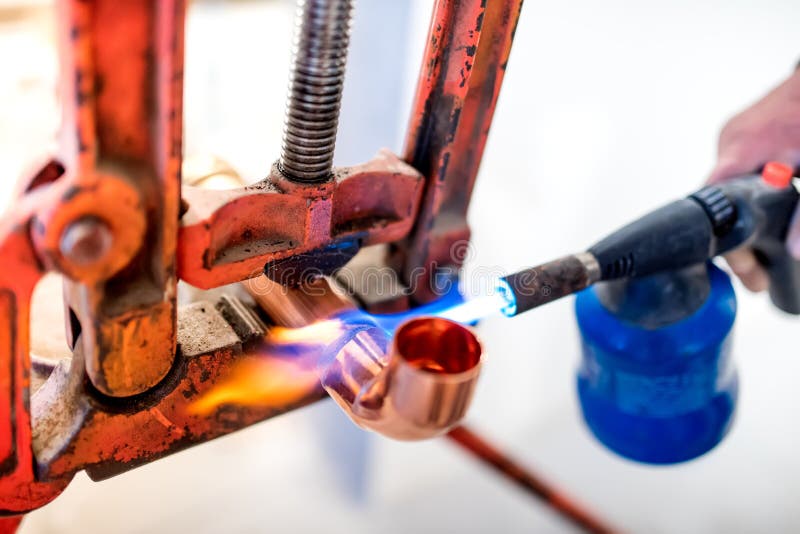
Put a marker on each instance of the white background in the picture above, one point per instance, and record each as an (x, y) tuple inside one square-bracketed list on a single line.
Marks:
[(609, 108)]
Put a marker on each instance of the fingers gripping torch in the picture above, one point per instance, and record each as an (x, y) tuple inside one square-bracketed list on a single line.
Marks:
[(656, 381), (752, 211)]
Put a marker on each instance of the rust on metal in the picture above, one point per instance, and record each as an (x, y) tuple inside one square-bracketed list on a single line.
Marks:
[(122, 77), (75, 430), (468, 46), (228, 236), (20, 488)]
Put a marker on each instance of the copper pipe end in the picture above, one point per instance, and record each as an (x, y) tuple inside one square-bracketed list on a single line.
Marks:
[(437, 346), (420, 389)]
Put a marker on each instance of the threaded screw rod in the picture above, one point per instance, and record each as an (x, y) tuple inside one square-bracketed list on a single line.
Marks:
[(322, 36)]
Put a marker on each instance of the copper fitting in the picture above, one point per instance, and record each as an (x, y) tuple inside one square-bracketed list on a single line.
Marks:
[(417, 385), (419, 389), (296, 307)]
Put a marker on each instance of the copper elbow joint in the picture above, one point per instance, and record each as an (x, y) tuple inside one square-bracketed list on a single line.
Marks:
[(414, 386), (419, 388)]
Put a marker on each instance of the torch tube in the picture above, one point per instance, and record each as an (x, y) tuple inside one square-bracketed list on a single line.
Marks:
[(532, 287)]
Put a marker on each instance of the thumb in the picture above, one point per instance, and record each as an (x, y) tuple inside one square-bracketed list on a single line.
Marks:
[(729, 166)]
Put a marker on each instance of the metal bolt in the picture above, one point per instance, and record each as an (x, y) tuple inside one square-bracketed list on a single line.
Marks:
[(86, 241), (322, 35)]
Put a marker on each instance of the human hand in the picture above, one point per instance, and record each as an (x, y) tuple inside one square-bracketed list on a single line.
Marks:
[(769, 130)]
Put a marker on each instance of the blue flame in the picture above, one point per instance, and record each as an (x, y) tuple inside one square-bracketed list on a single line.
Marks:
[(503, 289), (454, 306)]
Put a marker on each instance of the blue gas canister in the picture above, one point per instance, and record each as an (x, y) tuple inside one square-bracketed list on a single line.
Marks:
[(656, 380)]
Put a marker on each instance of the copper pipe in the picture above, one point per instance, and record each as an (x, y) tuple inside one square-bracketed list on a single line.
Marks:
[(298, 307), (532, 483), (417, 385), (419, 389)]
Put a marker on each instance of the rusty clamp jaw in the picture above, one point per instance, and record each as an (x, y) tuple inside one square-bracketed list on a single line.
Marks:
[(106, 214), (111, 216)]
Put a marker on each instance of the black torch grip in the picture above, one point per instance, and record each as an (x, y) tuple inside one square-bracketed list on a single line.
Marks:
[(784, 281), (769, 247), (669, 238), (765, 214)]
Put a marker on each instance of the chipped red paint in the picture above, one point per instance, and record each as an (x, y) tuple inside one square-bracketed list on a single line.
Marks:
[(122, 90), (112, 438), (228, 236), (468, 46)]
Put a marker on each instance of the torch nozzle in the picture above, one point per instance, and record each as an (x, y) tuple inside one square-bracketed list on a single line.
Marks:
[(534, 286)]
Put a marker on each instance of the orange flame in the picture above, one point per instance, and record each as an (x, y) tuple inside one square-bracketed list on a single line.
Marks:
[(259, 382), (319, 333), (267, 380)]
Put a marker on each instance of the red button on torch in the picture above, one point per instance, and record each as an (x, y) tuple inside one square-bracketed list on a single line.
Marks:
[(777, 174)]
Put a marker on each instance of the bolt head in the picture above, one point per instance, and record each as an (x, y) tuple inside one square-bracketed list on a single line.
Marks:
[(86, 241)]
